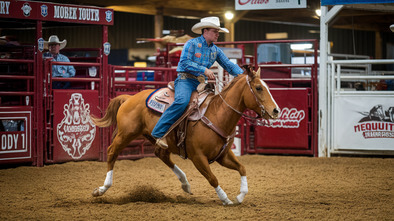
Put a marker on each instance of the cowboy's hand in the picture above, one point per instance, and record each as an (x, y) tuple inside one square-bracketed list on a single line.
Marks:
[(209, 74)]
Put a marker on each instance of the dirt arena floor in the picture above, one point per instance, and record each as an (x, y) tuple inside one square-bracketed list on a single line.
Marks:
[(280, 188)]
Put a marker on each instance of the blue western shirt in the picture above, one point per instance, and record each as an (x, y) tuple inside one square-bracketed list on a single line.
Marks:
[(65, 71), (198, 55)]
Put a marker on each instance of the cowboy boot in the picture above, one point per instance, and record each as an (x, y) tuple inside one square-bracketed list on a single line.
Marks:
[(162, 142)]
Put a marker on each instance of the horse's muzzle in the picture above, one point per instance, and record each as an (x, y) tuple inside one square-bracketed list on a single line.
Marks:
[(275, 113)]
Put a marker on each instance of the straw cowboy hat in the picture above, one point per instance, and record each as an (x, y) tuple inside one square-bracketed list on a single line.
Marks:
[(55, 40), (208, 22)]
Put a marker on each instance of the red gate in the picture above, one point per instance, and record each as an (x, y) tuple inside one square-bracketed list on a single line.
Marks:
[(30, 111), (19, 105)]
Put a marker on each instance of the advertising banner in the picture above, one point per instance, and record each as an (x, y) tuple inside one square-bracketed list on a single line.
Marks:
[(47, 11), (75, 136), (268, 4), (364, 123), (344, 2), (15, 134), (290, 129)]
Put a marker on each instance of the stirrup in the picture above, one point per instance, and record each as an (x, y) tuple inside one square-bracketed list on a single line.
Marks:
[(162, 143)]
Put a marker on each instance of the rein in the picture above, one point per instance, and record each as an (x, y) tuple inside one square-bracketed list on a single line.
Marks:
[(248, 117)]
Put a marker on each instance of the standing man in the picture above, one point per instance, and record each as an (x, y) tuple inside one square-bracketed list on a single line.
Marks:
[(198, 55), (54, 46)]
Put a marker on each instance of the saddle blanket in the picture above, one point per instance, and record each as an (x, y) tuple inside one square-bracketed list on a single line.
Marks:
[(160, 99)]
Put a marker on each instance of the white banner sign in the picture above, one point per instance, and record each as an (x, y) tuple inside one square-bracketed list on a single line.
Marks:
[(268, 4), (364, 123)]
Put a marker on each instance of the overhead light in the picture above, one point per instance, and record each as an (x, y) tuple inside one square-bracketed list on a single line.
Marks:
[(301, 46), (392, 27), (314, 31), (229, 15), (278, 35), (318, 12)]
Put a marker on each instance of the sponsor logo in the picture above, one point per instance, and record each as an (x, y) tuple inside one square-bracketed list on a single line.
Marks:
[(26, 9), (107, 48), (252, 2), (288, 118), (40, 42), (377, 123), (44, 10), (108, 16), (156, 106), (76, 132), (74, 13)]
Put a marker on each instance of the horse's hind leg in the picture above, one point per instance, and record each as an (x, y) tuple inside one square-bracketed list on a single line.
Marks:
[(230, 161), (113, 151), (164, 155), (202, 165)]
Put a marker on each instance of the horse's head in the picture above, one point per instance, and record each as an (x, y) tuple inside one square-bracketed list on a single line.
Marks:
[(259, 98)]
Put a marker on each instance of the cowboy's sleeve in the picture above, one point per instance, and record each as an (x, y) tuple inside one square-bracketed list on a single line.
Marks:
[(229, 66), (186, 62), (70, 68)]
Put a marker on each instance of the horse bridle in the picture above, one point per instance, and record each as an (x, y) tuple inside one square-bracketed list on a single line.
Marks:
[(263, 111)]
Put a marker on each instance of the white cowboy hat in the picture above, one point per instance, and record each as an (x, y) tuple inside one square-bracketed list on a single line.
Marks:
[(208, 22), (55, 40)]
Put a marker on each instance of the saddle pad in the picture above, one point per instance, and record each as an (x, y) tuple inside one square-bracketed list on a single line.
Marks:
[(160, 99)]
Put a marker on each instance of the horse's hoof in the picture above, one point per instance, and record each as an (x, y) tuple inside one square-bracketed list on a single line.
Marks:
[(227, 202), (96, 192), (186, 188), (240, 198)]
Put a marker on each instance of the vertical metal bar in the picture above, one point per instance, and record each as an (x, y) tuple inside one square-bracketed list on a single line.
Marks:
[(39, 97), (338, 78), (104, 93)]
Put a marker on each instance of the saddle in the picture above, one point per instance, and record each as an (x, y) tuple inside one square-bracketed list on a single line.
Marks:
[(162, 98)]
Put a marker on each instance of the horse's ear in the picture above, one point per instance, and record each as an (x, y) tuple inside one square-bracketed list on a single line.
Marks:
[(257, 73), (249, 71)]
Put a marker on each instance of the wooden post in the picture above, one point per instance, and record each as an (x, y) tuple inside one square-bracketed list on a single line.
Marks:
[(158, 25)]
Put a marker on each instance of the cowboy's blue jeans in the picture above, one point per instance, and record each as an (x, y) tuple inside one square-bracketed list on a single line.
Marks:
[(183, 92)]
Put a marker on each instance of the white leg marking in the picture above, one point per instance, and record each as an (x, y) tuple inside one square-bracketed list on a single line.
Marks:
[(107, 183), (243, 190), (182, 177), (223, 196)]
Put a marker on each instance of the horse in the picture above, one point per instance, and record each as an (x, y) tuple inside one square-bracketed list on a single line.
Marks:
[(133, 119)]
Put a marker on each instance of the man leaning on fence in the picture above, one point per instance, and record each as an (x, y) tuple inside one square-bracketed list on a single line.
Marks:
[(54, 46)]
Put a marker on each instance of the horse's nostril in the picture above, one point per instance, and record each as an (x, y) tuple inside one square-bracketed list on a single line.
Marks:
[(276, 111)]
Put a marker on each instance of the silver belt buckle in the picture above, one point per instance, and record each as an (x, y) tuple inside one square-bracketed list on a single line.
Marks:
[(182, 75)]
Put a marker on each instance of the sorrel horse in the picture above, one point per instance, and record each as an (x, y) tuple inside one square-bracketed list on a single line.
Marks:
[(133, 119)]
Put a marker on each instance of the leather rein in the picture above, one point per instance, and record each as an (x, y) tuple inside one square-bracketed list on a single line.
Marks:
[(219, 131), (248, 117)]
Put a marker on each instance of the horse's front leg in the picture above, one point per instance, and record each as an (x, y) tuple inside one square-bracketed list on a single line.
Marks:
[(201, 163), (164, 155), (111, 158), (230, 161), (112, 154)]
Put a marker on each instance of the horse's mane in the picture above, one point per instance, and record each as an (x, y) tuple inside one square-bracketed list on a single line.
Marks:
[(231, 84)]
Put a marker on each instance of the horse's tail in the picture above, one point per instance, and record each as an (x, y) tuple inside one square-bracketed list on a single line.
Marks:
[(111, 112)]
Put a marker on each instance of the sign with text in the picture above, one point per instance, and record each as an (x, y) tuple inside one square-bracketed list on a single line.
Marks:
[(15, 135), (290, 129), (268, 4), (364, 123), (47, 11)]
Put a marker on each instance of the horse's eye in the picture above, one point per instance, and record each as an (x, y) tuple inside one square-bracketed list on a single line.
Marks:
[(259, 88)]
